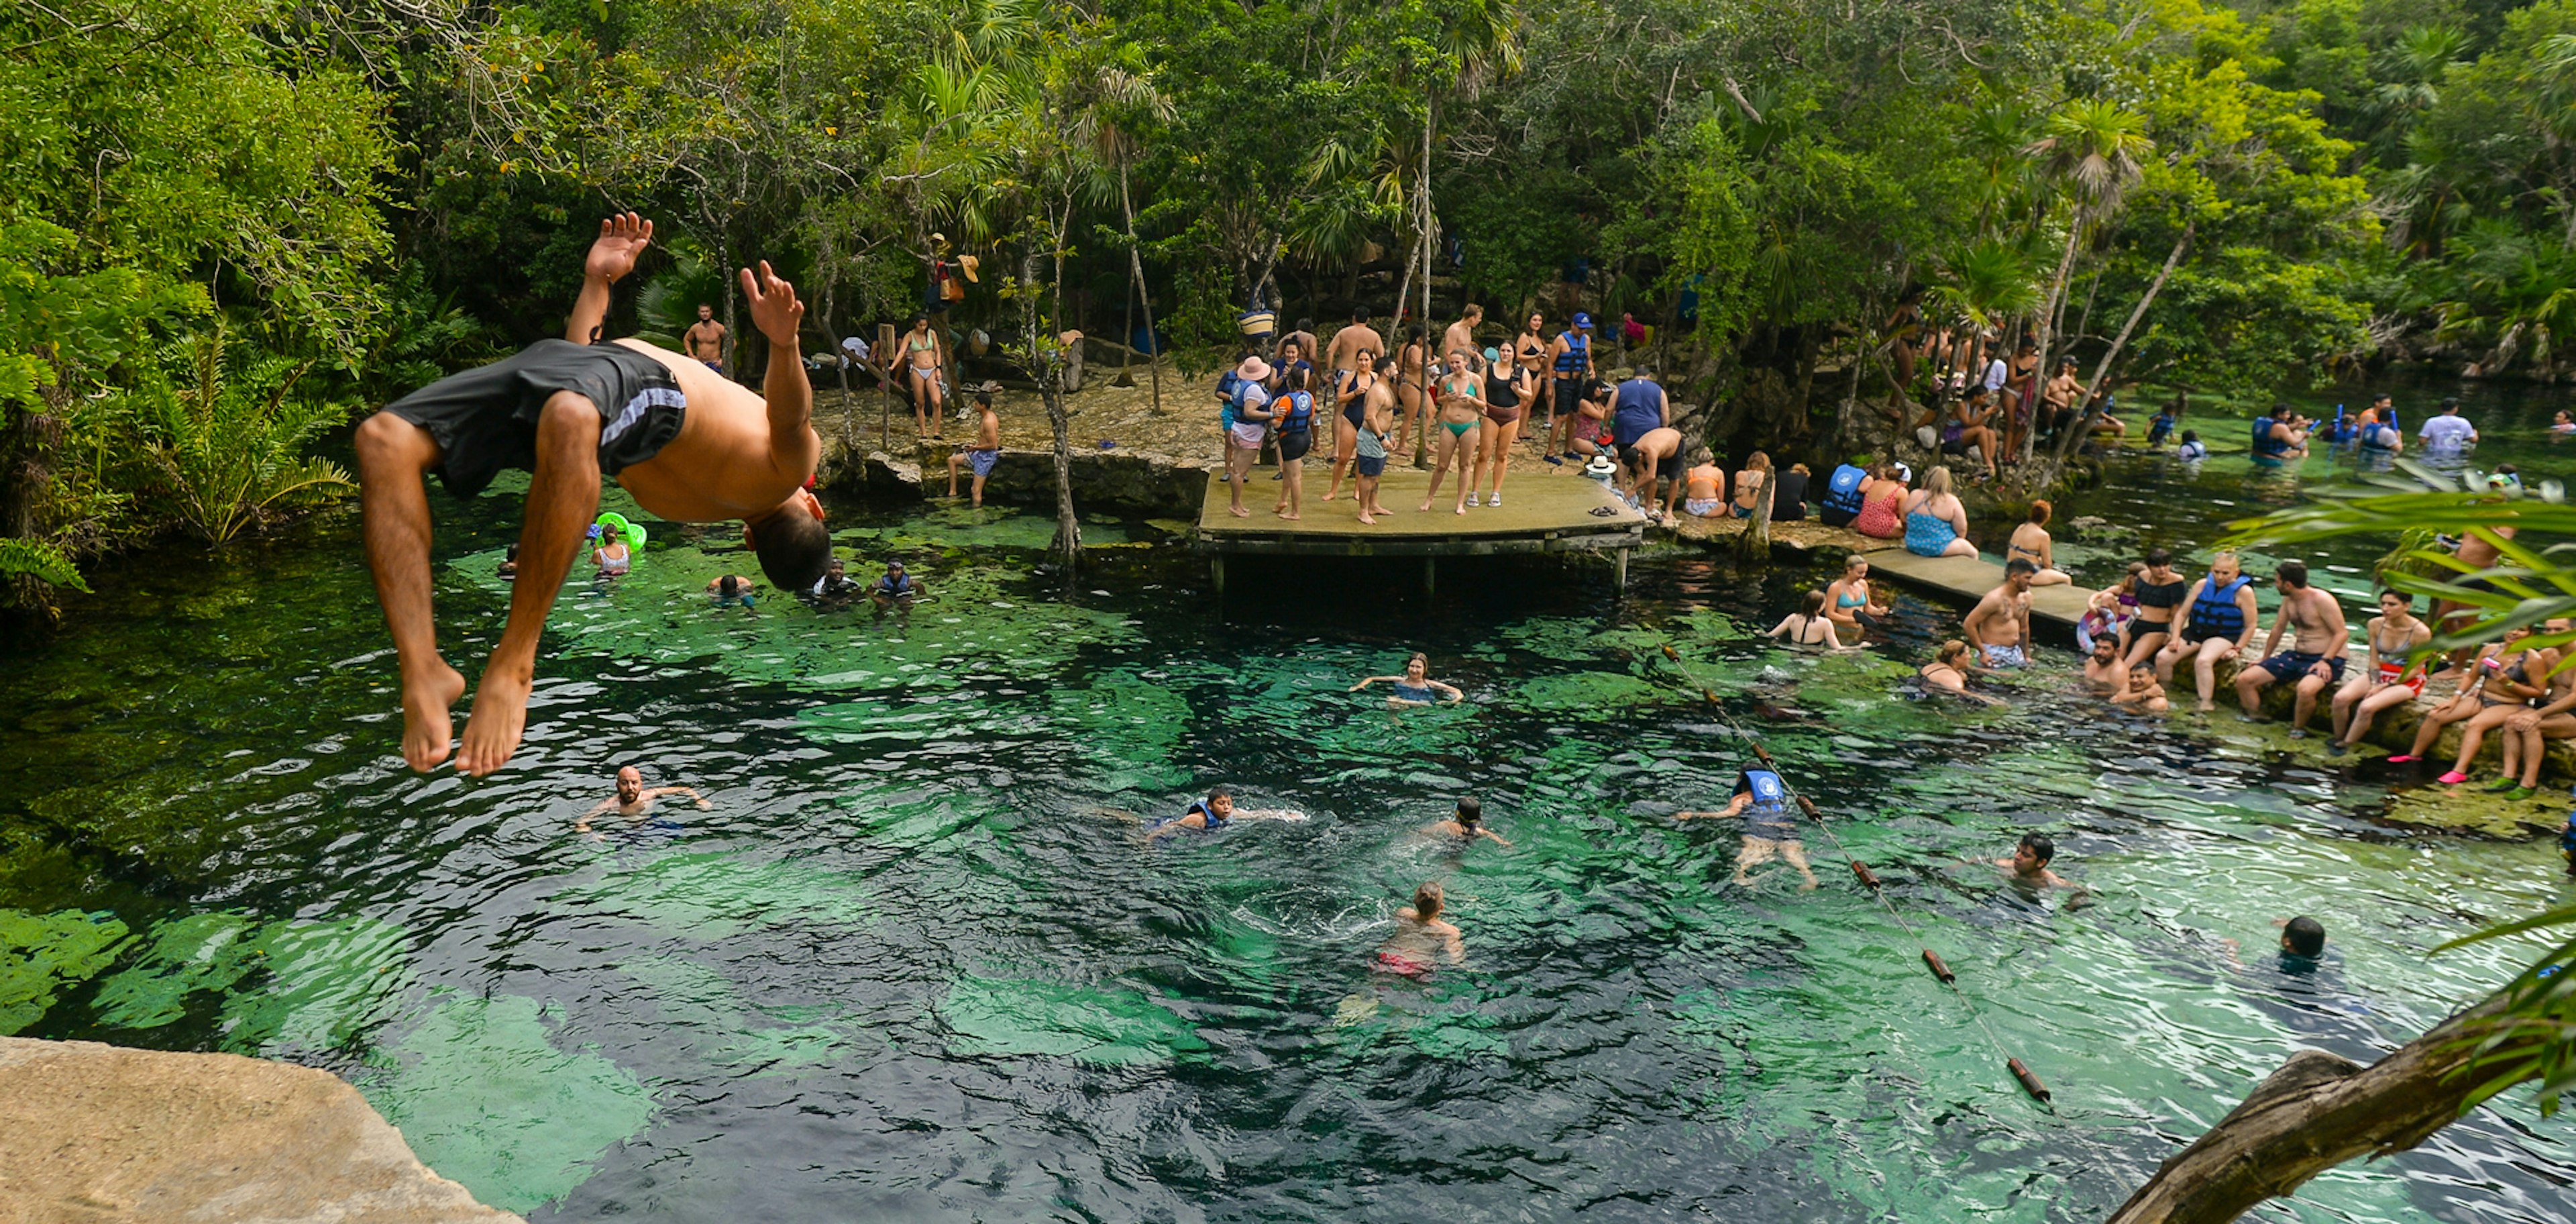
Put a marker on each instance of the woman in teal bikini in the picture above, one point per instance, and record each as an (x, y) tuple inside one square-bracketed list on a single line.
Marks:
[(1850, 598), (1460, 394)]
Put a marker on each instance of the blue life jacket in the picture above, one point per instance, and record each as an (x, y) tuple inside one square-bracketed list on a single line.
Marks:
[(2215, 614), (1229, 385), (2379, 438), (1201, 809), (1578, 348), (1842, 491), (895, 584), (1298, 416), (2264, 442), (1770, 794)]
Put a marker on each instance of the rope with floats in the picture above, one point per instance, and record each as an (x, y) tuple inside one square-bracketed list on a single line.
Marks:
[(1941, 971)]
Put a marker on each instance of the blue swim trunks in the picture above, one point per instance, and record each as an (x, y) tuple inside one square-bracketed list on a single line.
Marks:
[(982, 461)]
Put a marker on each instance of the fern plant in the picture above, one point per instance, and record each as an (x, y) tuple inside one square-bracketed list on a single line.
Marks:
[(226, 433)]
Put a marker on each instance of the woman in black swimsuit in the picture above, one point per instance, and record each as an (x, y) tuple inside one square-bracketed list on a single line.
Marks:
[(1352, 396), (2160, 591)]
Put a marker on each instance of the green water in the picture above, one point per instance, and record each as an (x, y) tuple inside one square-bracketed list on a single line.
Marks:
[(905, 967)]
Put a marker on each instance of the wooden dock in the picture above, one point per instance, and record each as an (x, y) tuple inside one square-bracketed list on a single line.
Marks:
[(1969, 578), (1539, 514)]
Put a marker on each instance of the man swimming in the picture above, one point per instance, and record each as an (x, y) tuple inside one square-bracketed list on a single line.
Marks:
[(895, 589), (634, 800), (686, 443), (1762, 799), (731, 589), (1201, 816), (1467, 825), (1999, 626), (2314, 661), (2105, 675), (2030, 860), (1422, 937)]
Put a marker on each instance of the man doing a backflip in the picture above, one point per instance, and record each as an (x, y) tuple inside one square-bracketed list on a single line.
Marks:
[(686, 443)]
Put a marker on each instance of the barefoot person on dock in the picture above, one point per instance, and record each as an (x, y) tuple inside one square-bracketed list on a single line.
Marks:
[(687, 444)]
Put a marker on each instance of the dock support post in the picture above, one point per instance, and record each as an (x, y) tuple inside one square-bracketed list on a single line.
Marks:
[(1430, 567), (1216, 571), (1619, 565)]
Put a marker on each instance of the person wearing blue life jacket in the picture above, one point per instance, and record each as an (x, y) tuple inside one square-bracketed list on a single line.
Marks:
[(2276, 437), (731, 589), (1293, 424), (1415, 687), (2218, 621), (1570, 371), (2162, 427), (1770, 828), (1843, 495), (2567, 843), (1201, 816), (895, 589)]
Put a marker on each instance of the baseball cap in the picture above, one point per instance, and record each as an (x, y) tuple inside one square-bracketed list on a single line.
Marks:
[(1582, 319)]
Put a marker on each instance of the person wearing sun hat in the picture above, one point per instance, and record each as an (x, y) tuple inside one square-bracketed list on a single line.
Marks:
[(1251, 422)]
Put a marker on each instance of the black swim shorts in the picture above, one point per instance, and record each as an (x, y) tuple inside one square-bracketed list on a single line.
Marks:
[(485, 419), (1569, 396), (1369, 465), (2292, 664), (1294, 443)]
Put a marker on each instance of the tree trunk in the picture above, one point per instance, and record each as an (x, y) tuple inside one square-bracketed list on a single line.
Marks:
[(1429, 223), (1136, 269), (1044, 360), (1755, 543), (2047, 321), (2093, 389), (1811, 340), (2316, 1112)]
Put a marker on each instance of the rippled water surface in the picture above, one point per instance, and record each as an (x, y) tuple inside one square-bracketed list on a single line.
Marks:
[(912, 962)]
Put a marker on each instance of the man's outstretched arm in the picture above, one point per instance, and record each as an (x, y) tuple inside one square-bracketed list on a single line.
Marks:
[(612, 256), (778, 315)]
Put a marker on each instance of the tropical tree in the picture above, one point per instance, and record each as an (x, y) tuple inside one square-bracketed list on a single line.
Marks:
[(2091, 148)]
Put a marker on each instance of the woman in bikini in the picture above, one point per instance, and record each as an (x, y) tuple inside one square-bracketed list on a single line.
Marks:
[(1459, 394), (1509, 392), (1415, 687), (2394, 678), (1351, 398), (2489, 686), (1529, 352), (1948, 673), (1754, 481), (2030, 540), (928, 355), (1809, 626), (2525, 682), (611, 556), (2159, 591), (1850, 598)]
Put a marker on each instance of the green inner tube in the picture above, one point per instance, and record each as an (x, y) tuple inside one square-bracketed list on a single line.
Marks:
[(633, 535)]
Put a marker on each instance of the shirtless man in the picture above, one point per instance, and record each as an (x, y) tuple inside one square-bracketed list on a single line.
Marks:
[(2317, 644), (1342, 356), (705, 339), (2030, 860), (2105, 673), (2058, 400), (686, 443), (1467, 826), (1654, 459), (1461, 335), (984, 454), (1422, 937), (1999, 626), (634, 800)]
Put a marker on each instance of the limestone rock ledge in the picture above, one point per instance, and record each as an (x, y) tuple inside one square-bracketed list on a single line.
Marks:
[(100, 1134)]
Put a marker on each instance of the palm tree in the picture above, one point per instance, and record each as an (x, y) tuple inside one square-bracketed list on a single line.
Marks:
[(2091, 147), (1117, 99)]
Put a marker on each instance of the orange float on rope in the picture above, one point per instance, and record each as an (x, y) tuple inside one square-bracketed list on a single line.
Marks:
[(1939, 970), (1866, 875), (2029, 1082)]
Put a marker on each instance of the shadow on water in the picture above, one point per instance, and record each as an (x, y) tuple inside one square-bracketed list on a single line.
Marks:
[(905, 966)]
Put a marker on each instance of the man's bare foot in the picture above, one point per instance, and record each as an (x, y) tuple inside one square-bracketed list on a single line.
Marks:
[(1290, 517), (1366, 521), (500, 717), (426, 729), (1238, 512)]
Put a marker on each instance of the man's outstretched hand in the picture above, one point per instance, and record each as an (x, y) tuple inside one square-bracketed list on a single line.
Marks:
[(774, 308), (621, 239)]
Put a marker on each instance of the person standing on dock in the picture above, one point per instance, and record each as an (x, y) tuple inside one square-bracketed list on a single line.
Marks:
[(686, 444), (1350, 342), (1570, 373), (2318, 639), (1999, 626), (1460, 337), (1249, 428)]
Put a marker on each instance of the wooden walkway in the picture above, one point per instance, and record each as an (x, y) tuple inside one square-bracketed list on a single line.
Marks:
[(1969, 579), (1539, 515)]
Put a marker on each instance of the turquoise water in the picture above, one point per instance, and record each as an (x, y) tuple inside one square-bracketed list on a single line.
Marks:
[(906, 967)]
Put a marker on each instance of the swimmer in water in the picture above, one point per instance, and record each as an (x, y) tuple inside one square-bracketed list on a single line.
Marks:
[(1467, 825), (1422, 938), (2029, 863), (1415, 687), (2104, 675), (2143, 692), (895, 590), (1202, 816), (1948, 673), (730, 590), (634, 800), (1762, 799)]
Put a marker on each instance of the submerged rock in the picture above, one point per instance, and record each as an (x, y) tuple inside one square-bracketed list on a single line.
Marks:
[(97, 1132)]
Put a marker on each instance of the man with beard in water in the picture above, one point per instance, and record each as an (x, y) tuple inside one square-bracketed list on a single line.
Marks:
[(688, 444), (634, 800)]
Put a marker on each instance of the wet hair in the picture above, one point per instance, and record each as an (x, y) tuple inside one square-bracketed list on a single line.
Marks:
[(2040, 510), (1300, 377), (2019, 565), (1469, 810), (1359, 314), (730, 586), (2158, 558), (2293, 573), (793, 547), (1427, 900), (2399, 596), (2306, 936), (1219, 792), (1418, 657), (2041, 847), (2106, 640), (2281, 411), (1815, 602), (1950, 650), (2191, 435)]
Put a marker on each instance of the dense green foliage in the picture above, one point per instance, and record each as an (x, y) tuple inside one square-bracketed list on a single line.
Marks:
[(1793, 194)]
